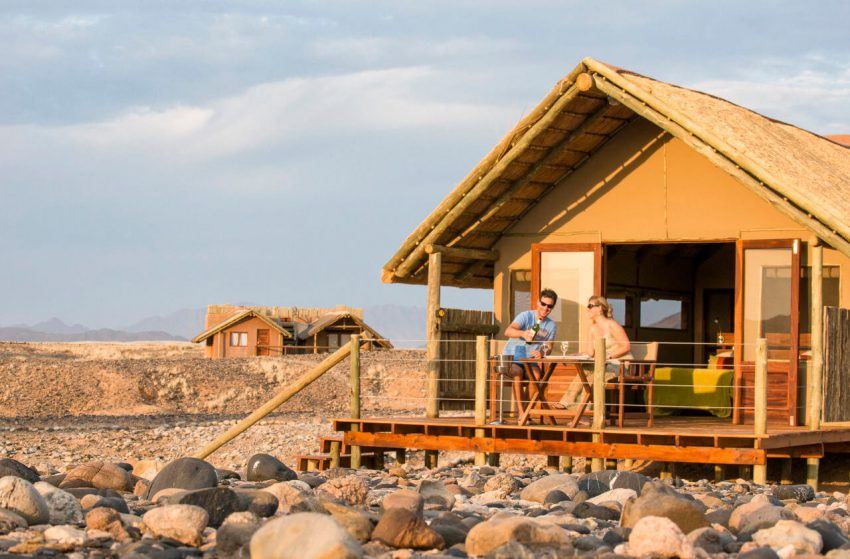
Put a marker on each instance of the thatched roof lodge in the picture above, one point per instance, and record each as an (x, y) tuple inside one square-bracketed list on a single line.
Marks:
[(240, 331), (693, 215)]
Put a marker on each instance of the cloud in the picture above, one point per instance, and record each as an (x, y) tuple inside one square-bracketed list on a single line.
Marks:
[(277, 114)]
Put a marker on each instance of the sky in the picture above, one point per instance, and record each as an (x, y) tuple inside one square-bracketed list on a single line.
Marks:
[(162, 155)]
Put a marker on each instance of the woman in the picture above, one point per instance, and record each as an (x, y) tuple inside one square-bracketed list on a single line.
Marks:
[(617, 346)]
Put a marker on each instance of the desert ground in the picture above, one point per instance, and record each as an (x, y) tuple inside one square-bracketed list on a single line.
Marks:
[(65, 403)]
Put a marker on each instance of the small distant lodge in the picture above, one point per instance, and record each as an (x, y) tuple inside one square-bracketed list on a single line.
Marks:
[(239, 331)]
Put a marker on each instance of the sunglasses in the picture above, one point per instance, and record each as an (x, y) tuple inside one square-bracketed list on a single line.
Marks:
[(591, 305), (548, 306)]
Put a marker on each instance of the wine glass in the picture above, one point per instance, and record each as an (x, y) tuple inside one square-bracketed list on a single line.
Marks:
[(565, 348)]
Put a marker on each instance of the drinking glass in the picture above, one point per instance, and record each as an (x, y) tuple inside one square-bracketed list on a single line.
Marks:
[(565, 348)]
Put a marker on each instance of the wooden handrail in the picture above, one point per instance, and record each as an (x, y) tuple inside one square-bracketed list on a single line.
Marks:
[(278, 400)]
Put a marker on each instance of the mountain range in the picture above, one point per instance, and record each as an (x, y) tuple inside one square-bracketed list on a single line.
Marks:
[(404, 325)]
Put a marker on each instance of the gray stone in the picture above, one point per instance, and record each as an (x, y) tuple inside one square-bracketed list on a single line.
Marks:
[(628, 480), (184, 523), (11, 467), (596, 483), (537, 490), (261, 503), (355, 522), (19, 496), (790, 532), (801, 493), (555, 496), (184, 473), (351, 489), (405, 499), (292, 537), (435, 493), (263, 467), (756, 515), (709, 540), (503, 483), (656, 536), (589, 510), (62, 506), (66, 535), (759, 553), (293, 499), (219, 502), (832, 536), (619, 495), (660, 500), (10, 521), (233, 538)]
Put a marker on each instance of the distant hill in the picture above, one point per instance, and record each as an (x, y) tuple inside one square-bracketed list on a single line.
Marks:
[(404, 325), (19, 334), (186, 323)]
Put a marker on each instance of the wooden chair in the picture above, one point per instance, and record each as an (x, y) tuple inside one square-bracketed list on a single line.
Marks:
[(639, 374)]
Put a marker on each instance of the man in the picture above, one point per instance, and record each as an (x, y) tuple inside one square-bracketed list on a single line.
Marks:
[(522, 330), (533, 329)]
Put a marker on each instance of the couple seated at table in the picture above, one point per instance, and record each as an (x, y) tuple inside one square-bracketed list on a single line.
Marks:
[(534, 331)]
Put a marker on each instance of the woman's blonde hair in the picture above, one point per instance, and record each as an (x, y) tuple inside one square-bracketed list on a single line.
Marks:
[(602, 302)]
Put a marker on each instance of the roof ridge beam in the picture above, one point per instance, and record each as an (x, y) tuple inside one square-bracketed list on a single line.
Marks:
[(465, 253)]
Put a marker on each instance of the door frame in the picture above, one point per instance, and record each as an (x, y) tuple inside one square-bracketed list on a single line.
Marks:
[(795, 245)]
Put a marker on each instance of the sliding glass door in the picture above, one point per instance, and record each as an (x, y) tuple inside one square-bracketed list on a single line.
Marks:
[(767, 306), (574, 271)]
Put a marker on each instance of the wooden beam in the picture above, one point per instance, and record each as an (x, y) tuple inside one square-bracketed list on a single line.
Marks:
[(690, 454), (456, 203), (481, 370), (760, 404), (465, 253)]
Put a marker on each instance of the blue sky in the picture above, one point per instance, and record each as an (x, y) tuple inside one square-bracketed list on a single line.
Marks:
[(162, 155)]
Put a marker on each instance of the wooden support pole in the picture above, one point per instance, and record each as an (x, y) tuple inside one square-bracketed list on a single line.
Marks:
[(400, 456), (599, 349), (812, 467), (553, 462), (379, 458), (494, 459), (566, 464), (432, 403), (786, 477), (745, 472), (719, 473), (760, 400), (815, 377), (481, 366), (335, 448), (354, 395), (281, 397)]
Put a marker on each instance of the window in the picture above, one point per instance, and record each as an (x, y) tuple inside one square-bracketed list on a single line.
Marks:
[(239, 339), (520, 292), (662, 312), (621, 305)]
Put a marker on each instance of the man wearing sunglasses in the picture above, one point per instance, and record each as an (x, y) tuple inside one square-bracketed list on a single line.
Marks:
[(533, 328)]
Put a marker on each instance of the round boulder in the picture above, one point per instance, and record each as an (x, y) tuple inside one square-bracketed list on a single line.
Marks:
[(537, 490), (64, 508), (19, 496), (184, 523), (294, 537), (263, 467), (100, 475), (11, 467), (184, 473)]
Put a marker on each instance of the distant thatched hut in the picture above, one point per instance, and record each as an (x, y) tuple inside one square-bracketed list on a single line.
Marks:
[(237, 331)]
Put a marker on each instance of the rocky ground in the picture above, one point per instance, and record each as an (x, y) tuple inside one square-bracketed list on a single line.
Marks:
[(188, 508), (93, 439)]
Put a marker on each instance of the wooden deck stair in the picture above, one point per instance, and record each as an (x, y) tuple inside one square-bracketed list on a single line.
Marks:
[(370, 457)]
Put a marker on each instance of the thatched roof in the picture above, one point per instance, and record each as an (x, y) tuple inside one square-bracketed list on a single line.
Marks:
[(234, 319), (804, 175), (328, 320), (293, 322)]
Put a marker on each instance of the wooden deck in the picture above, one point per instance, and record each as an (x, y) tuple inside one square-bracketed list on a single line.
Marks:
[(694, 439)]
